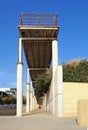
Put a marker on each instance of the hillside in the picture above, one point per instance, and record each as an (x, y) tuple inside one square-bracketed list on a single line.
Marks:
[(76, 71)]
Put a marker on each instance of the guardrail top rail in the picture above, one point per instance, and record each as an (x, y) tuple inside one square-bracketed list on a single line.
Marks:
[(39, 19)]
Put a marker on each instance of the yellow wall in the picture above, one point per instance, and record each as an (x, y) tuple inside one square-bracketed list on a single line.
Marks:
[(73, 92)]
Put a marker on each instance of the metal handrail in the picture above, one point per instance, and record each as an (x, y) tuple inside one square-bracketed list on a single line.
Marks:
[(39, 19)]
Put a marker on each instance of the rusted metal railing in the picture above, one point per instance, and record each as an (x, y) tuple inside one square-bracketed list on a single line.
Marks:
[(39, 19)]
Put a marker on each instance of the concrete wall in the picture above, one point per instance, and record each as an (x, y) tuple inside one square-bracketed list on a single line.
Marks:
[(73, 92), (83, 113), (49, 99), (53, 100)]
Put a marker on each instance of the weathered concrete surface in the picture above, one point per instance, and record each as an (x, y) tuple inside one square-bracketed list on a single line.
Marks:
[(73, 92), (38, 121), (83, 112)]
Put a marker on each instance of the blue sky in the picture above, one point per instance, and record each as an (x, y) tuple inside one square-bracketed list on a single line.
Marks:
[(73, 34)]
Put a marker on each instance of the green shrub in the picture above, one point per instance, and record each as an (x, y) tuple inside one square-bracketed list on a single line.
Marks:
[(76, 71), (42, 83)]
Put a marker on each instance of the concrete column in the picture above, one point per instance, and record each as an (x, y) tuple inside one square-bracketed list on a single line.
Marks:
[(55, 54), (59, 95), (28, 77), (31, 101), (54, 67), (27, 97), (20, 50), (27, 93), (45, 102), (19, 80), (35, 102)]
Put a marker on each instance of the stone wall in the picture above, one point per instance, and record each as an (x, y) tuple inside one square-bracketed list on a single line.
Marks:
[(7, 110)]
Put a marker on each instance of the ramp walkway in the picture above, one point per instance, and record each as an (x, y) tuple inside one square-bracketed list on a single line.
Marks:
[(38, 120)]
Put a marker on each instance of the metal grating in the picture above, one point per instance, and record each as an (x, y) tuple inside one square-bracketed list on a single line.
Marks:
[(39, 19)]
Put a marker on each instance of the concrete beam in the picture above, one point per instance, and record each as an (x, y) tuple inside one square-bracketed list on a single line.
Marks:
[(38, 38), (25, 27), (37, 68)]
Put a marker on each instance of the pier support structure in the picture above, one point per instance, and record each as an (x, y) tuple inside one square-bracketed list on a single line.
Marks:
[(19, 80)]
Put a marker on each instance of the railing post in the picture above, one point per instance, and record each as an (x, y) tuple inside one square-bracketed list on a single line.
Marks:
[(56, 21), (20, 20)]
